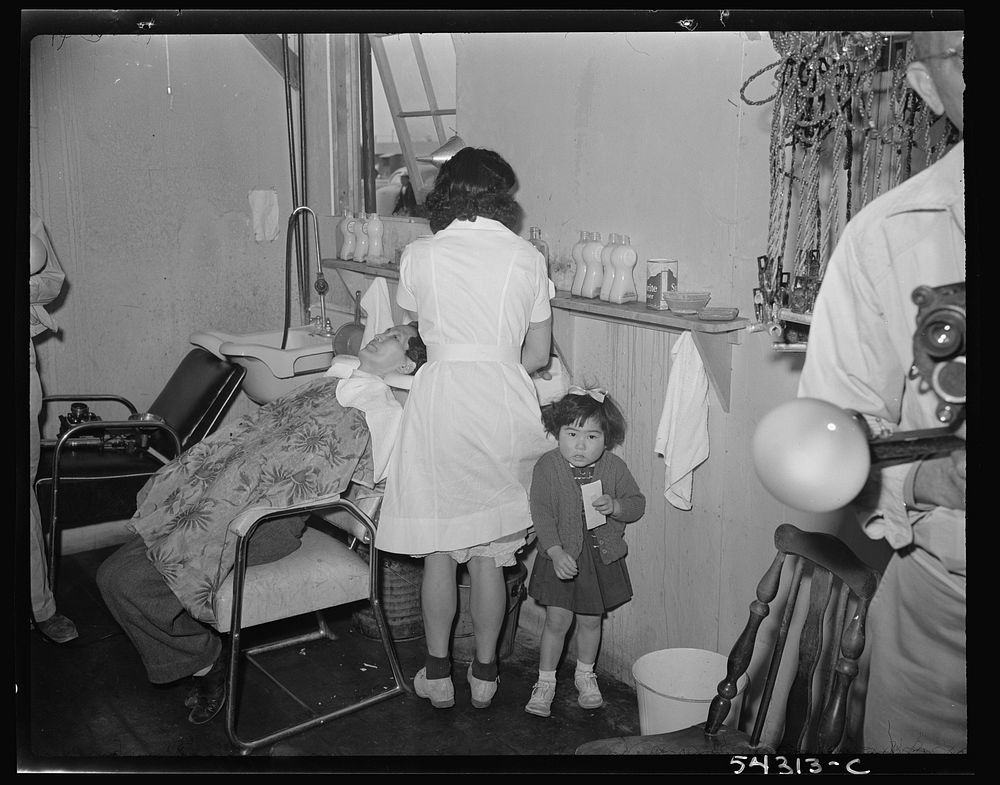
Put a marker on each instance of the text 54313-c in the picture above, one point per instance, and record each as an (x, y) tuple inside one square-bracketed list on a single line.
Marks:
[(779, 764)]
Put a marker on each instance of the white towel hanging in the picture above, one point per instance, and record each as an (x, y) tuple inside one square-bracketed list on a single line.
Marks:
[(682, 436), (376, 303)]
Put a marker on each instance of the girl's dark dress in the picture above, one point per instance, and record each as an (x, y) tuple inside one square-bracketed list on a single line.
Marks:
[(597, 587)]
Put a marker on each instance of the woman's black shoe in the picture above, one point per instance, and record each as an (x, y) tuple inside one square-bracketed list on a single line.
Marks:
[(209, 694)]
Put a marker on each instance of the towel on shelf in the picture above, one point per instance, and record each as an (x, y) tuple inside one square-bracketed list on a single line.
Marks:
[(376, 303), (682, 436)]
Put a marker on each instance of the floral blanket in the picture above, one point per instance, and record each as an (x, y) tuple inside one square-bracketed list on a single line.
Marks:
[(301, 446)]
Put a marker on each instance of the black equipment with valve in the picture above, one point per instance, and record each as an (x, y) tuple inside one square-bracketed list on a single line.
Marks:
[(939, 347), (78, 412), (126, 440)]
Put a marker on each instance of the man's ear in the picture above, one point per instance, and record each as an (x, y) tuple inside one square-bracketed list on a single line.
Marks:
[(919, 77)]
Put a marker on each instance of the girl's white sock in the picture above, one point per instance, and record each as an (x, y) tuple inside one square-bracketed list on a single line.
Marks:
[(546, 675), (582, 667)]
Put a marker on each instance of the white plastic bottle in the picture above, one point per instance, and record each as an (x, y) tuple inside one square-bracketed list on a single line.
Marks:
[(623, 261), (375, 232), (579, 266), (347, 229), (595, 271), (606, 268), (361, 239)]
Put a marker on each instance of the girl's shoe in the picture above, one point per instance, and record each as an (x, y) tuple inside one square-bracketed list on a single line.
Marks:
[(541, 698), (440, 692), (482, 691), (589, 694)]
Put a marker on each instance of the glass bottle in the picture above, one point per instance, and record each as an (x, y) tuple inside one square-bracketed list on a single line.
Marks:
[(535, 238), (606, 268), (623, 261), (347, 229), (579, 266), (595, 272), (375, 231), (361, 238)]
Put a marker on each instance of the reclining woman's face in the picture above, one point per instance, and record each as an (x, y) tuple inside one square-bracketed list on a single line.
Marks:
[(386, 352)]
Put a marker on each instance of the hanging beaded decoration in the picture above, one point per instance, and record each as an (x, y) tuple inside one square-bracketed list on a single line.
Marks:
[(845, 128)]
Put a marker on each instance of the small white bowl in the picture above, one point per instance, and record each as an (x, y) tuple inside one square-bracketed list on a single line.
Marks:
[(686, 302)]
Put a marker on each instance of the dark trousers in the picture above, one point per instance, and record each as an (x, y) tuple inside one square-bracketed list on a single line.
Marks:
[(171, 643)]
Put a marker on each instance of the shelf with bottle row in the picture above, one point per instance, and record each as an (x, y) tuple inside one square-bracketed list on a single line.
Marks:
[(714, 340), (638, 313)]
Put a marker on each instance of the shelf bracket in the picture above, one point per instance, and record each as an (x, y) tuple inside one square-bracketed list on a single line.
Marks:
[(716, 350)]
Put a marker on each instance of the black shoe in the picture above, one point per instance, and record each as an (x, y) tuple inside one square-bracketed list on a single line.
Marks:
[(57, 629), (209, 695)]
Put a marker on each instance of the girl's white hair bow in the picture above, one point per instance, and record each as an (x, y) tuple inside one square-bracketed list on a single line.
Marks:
[(597, 393)]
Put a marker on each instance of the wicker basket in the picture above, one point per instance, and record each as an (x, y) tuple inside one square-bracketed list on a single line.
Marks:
[(463, 641), (401, 580), (401, 577)]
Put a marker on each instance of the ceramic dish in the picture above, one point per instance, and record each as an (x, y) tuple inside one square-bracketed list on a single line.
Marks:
[(718, 314)]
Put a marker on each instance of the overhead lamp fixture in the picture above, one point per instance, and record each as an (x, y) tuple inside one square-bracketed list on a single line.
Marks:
[(444, 152)]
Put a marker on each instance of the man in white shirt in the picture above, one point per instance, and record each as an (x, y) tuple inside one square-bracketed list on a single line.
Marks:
[(861, 347)]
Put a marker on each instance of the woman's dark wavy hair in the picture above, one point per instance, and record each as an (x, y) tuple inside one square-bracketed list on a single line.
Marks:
[(416, 349), (474, 182), (575, 410)]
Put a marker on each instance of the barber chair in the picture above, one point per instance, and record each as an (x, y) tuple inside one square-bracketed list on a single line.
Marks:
[(837, 588), (88, 476), (324, 572)]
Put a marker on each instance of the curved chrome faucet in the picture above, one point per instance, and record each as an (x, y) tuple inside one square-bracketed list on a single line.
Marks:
[(321, 323)]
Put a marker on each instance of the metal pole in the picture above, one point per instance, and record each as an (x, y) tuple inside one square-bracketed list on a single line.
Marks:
[(367, 124), (303, 179)]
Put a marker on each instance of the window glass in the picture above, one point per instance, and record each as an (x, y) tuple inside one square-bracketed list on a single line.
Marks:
[(425, 134)]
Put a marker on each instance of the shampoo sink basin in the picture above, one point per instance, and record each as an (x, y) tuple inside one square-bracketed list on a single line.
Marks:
[(271, 370)]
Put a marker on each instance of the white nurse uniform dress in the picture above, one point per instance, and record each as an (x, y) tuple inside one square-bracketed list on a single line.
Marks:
[(472, 429)]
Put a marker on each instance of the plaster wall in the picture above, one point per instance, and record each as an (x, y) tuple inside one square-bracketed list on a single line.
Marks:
[(143, 150)]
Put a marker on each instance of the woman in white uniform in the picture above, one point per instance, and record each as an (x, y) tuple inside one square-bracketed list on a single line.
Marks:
[(457, 488)]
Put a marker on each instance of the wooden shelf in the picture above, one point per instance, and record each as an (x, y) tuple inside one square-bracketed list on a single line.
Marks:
[(638, 313), (714, 340), (379, 271)]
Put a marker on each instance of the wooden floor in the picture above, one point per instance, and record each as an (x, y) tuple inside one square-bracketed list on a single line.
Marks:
[(89, 706)]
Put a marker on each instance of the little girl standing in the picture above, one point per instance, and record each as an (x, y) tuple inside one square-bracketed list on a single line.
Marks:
[(580, 570)]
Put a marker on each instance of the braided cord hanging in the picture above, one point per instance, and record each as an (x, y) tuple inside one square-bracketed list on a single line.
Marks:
[(844, 121)]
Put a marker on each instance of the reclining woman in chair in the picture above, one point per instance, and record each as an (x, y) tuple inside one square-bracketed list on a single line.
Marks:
[(310, 443)]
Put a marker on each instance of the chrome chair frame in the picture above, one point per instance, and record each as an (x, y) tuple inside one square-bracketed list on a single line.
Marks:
[(244, 526)]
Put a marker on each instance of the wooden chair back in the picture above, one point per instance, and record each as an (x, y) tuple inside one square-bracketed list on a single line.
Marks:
[(838, 591)]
